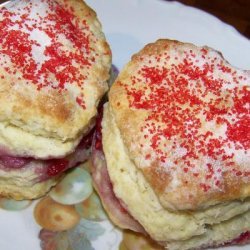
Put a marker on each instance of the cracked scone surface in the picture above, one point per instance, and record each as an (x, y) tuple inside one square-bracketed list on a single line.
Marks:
[(54, 67), (176, 141), (183, 114), (177, 230)]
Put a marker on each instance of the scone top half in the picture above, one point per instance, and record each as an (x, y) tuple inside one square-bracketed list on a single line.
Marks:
[(183, 114), (54, 67)]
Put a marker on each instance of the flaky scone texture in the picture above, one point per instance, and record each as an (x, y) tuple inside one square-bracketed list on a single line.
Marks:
[(20, 185), (183, 116), (54, 67), (177, 230)]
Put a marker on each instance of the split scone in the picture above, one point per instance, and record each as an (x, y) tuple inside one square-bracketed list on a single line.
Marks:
[(54, 67), (171, 157)]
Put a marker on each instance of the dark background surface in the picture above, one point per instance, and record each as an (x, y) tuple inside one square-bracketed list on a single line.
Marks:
[(233, 12)]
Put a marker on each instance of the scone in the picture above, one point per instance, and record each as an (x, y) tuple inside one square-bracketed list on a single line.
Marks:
[(54, 67), (171, 157)]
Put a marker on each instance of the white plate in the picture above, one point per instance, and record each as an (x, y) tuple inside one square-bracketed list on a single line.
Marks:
[(129, 25)]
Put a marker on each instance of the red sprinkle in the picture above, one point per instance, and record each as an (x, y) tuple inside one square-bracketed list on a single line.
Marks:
[(62, 66), (178, 95)]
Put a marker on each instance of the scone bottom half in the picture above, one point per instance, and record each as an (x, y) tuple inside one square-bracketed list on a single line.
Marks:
[(172, 148), (54, 67)]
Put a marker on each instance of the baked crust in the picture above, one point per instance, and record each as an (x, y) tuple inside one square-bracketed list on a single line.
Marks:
[(176, 230), (183, 114), (53, 69), (21, 189)]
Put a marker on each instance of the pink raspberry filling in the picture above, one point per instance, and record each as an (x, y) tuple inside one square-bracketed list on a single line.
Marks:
[(244, 238), (45, 169)]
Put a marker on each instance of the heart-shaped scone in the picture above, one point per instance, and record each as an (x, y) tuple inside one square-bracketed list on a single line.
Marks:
[(176, 140)]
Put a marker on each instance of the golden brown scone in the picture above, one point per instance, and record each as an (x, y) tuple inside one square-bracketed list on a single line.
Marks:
[(178, 230), (25, 190), (175, 142), (54, 67), (183, 114)]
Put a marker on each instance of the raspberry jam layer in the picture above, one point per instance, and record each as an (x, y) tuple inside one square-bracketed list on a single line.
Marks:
[(42, 170), (103, 184), (243, 239)]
